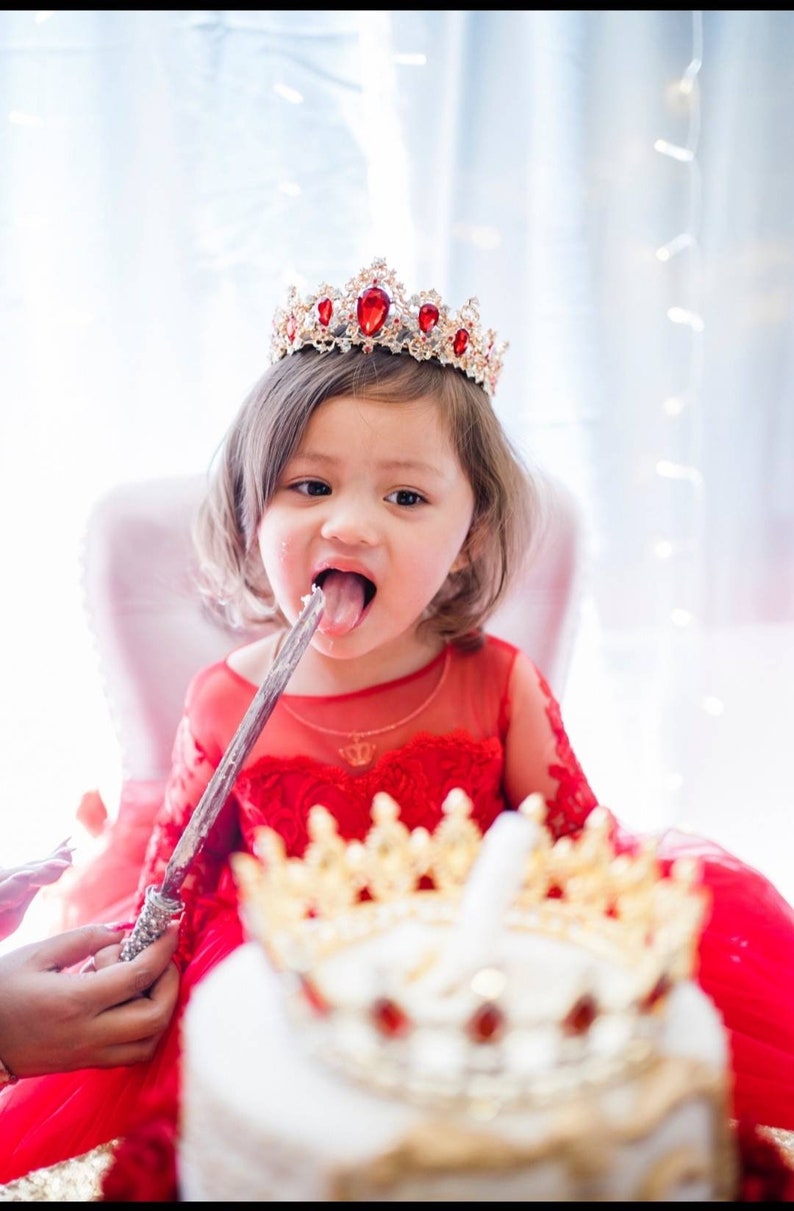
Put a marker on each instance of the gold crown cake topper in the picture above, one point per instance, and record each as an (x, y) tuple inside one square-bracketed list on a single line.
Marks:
[(374, 310), (459, 968)]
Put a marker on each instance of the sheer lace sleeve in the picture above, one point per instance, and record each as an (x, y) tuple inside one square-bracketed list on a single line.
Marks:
[(193, 763), (539, 756)]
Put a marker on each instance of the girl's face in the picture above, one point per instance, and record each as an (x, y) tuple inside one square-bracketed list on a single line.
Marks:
[(375, 507)]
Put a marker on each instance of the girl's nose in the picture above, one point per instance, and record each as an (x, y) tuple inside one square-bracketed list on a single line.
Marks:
[(351, 521)]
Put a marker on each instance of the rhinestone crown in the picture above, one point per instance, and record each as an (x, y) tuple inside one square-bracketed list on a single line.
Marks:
[(488, 1039), (374, 310)]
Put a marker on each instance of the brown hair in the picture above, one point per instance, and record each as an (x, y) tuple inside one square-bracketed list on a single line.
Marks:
[(268, 429)]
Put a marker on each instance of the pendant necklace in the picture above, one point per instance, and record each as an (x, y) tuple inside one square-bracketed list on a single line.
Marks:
[(359, 751)]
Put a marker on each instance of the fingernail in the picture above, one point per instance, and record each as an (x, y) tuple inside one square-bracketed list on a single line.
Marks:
[(117, 925)]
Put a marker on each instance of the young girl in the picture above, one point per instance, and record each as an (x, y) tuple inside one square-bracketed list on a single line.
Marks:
[(368, 459)]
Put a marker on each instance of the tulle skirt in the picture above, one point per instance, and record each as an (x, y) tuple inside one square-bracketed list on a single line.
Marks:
[(746, 966)]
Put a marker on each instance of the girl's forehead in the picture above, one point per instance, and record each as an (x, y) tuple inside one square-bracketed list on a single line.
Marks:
[(371, 409), (352, 428)]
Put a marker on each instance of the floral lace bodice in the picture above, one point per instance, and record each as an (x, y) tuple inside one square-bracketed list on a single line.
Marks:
[(493, 728)]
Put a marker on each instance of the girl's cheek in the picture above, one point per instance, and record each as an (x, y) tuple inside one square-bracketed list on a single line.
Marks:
[(284, 550)]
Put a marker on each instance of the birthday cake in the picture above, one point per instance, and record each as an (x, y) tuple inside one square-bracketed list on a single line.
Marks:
[(449, 1016)]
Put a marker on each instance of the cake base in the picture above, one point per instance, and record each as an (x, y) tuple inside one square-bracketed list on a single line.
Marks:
[(262, 1120)]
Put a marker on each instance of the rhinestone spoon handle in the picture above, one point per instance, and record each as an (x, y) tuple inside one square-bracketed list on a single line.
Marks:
[(163, 903)]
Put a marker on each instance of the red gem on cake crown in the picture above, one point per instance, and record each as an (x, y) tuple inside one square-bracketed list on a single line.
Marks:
[(373, 311)]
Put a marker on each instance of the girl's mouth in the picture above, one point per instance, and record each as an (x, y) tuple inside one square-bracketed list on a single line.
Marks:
[(347, 597)]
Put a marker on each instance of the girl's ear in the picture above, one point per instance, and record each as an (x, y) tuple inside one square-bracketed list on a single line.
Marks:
[(466, 553)]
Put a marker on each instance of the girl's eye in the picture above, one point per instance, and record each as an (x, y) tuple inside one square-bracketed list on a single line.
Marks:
[(406, 497), (311, 487)]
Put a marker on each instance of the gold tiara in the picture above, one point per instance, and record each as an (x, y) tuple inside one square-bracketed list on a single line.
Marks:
[(486, 1038), (373, 310)]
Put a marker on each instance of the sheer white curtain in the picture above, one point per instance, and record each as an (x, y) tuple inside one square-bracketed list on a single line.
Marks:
[(618, 190)]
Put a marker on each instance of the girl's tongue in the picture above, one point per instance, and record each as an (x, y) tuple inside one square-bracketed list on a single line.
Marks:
[(344, 602)]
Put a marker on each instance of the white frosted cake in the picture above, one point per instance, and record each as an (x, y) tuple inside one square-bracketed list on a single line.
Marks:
[(452, 1017)]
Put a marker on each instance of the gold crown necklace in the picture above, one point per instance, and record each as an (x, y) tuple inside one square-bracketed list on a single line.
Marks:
[(359, 751)]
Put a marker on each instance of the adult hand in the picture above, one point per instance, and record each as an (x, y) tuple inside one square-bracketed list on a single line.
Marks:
[(53, 1019), (19, 884)]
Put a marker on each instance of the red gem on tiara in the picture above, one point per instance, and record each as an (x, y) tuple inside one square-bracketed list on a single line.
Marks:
[(325, 310), (428, 317), (372, 308), (292, 328), (460, 342)]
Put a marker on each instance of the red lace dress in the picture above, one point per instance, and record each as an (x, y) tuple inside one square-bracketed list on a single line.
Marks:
[(485, 721)]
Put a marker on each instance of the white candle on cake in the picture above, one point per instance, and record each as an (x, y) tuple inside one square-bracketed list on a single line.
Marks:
[(494, 881)]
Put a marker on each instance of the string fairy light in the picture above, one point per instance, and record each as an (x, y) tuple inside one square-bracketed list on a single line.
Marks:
[(684, 239), (681, 549), (681, 407), (666, 148)]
